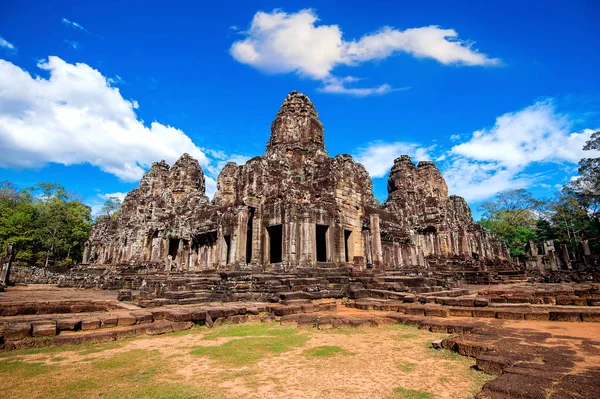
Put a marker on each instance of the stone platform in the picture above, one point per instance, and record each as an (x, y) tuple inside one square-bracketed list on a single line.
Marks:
[(537, 350)]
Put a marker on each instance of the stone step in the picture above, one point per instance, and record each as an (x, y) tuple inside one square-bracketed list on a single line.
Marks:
[(511, 313)]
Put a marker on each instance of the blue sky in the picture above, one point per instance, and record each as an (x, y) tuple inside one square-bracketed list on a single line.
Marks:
[(500, 94)]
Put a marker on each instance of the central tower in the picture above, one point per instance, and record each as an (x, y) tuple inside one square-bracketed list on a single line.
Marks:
[(297, 129)]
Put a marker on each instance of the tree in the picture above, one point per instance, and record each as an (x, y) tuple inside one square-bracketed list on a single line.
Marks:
[(111, 206), (571, 223), (512, 216), (43, 222), (586, 187), (18, 220)]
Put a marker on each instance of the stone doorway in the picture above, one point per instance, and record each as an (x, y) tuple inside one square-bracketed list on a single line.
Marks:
[(321, 243), (348, 245), (275, 243)]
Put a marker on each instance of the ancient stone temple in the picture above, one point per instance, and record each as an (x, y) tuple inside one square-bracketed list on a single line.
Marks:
[(294, 207)]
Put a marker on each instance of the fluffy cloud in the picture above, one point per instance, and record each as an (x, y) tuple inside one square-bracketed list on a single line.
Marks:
[(7, 45), (503, 157), (378, 157), (279, 42), (77, 116), (534, 134)]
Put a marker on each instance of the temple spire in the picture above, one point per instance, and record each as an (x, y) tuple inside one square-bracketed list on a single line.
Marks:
[(296, 128)]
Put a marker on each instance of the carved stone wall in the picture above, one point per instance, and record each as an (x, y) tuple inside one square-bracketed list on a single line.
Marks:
[(293, 207)]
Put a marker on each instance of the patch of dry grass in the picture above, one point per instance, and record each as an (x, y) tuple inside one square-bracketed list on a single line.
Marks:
[(253, 360)]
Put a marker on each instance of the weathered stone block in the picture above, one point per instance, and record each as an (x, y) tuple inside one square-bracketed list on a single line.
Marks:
[(488, 313), (43, 329), (565, 316), (590, 316), (90, 324), (68, 324), (109, 321), (143, 317), (178, 315), (126, 320), (15, 332), (510, 315)]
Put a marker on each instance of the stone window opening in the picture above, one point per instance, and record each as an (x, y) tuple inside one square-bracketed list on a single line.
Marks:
[(321, 246), (275, 243)]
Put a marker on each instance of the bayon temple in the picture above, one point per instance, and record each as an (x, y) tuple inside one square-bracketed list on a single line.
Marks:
[(293, 207)]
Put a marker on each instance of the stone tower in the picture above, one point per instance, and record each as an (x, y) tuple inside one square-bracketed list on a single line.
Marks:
[(297, 129)]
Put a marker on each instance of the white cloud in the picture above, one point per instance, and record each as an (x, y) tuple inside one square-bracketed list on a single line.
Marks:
[(477, 181), (116, 80), (335, 85), (106, 196), (455, 137), (279, 42), (7, 45), (503, 157), (533, 134), (73, 44), (76, 116), (222, 159), (378, 157), (73, 24)]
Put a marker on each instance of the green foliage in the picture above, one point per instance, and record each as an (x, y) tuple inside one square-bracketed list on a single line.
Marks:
[(568, 221), (44, 223), (512, 217), (111, 207), (586, 188)]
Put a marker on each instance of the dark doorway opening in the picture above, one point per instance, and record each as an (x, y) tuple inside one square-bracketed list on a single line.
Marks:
[(227, 248), (249, 236), (173, 247), (322, 243), (204, 240), (347, 243), (275, 243)]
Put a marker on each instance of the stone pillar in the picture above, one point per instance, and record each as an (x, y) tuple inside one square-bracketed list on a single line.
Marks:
[(587, 254), (565, 256), (5, 265), (257, 239), (241, 233), (465, 248), (376, 239), (221, 248), (86, 252), (307, 241)]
